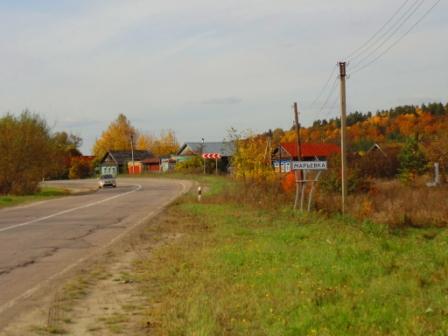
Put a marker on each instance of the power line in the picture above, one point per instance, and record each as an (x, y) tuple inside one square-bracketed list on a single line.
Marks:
[(406, 33), (330, 94), (393, 30), (354, 52), (398, 23), (324, 87)]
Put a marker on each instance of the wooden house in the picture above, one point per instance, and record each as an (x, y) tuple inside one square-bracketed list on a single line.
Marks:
[(119, 162)]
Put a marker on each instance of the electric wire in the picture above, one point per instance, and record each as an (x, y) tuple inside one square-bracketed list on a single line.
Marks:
[(324, 87), (365, 44), (390, 34), (406, 33), (330, 94)]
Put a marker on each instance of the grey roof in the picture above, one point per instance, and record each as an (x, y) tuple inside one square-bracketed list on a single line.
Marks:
[(121, 157), (223, 148)]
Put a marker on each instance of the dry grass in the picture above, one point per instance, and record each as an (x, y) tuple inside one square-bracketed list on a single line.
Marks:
[(395, 204)]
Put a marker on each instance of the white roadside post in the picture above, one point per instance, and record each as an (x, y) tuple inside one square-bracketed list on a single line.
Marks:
[(199, 194)]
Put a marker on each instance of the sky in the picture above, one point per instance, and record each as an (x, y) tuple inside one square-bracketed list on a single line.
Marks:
[(200, 67)]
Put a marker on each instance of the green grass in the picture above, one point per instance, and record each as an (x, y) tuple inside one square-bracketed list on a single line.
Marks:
[(242, 271), (44, 194)]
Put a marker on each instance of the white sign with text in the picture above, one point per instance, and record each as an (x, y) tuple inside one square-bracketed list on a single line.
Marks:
[(309, 165)]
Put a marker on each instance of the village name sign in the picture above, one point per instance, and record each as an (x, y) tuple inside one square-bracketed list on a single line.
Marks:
[(309, 165)]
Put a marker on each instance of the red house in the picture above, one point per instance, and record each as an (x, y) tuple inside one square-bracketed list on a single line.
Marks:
[(283, 155)]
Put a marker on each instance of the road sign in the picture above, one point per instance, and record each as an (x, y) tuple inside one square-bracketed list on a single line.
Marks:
[(310, 165), (211, 156)]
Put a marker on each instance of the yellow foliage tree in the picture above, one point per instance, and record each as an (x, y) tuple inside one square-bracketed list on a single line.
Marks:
[(252, 160), (164, 144), (117, 137), (144, 142)]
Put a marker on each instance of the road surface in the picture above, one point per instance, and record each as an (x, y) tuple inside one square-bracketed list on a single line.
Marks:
[(41, 242)]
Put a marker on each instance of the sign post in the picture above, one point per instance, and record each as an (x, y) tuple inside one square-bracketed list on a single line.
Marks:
[(308, 167), (214, 156)]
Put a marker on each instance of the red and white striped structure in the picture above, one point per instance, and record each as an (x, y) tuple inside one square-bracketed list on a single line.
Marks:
[(214, 156)]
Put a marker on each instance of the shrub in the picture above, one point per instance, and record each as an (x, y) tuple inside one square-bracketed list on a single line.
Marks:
[(192, 165)]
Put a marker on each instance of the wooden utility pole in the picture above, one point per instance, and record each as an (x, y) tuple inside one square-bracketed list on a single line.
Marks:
[(132, 152), (343, 73), (299, 176)]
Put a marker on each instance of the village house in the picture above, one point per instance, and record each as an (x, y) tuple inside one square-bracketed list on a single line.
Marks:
[(225, 150), (286, 153), (120, 162)]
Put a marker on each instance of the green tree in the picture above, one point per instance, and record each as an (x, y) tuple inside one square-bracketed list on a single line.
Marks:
[(412, 160)]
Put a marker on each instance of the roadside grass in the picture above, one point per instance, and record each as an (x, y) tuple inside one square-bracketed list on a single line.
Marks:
[(44, 194), (239, 270)]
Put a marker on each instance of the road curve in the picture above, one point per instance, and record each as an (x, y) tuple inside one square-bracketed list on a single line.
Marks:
[(42, 241)]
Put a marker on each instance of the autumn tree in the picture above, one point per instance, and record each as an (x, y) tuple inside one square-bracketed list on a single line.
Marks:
[(117, 137), (80, 168), (164, 144), (26, 151), (65, 148), (251, 160)]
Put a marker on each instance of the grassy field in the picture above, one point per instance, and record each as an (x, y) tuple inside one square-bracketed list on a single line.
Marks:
[(238, 270), (43, 194)]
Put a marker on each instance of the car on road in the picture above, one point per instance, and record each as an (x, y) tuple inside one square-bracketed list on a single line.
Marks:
[(107, 181)]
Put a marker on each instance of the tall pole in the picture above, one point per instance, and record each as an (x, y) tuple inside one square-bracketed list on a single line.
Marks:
[(343, 73), (299, 176), (132, 152)]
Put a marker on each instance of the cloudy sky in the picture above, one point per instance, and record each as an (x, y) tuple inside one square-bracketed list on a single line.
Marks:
[(203, 66)]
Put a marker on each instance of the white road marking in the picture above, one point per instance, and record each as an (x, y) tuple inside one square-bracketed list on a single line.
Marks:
[(37, 220), (80, 261)]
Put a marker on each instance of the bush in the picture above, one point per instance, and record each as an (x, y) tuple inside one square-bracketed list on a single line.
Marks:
[(192, 165)]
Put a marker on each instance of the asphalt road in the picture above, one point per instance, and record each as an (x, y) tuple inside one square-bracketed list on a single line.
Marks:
[(41, 242)]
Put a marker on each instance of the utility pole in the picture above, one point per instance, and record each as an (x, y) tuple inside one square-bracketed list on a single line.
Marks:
[(342, 77), (299, 175), (132, 152)]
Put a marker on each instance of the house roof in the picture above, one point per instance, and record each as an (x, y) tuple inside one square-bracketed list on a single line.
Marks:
[(223, 148), (151, 160), (311, 150), (121, 157)]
